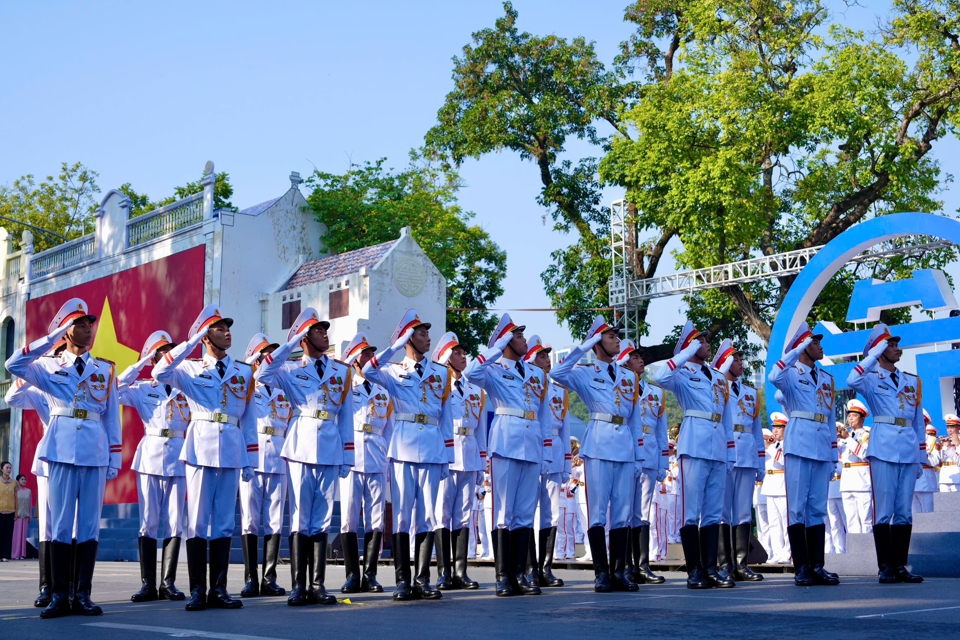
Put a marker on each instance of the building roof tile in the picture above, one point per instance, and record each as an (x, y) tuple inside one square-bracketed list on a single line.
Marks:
[(338, 265)]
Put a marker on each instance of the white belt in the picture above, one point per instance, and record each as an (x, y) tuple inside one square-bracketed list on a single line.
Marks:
[(607, 417), (317, 414), (743, 428), (706, 415), (463, 431), (79, 414), (517, 413), (807, 415), (273, 431), (900, 422), (216, 416), (418, 418), (368, 428), (164, 433)]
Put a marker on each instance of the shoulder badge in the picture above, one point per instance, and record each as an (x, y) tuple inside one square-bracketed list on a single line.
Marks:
[(110, 362)]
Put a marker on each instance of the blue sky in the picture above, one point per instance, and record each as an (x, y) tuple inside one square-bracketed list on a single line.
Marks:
[(148, 92)]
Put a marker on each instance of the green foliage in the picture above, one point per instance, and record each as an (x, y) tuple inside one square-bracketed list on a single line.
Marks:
[(140, 203), (369, 204), (64, 204)]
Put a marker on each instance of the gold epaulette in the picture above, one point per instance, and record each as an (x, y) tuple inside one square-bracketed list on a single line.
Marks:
[(110, 362)]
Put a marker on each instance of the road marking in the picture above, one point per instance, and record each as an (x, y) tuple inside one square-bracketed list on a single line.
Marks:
[(897, 613), (177, 633)]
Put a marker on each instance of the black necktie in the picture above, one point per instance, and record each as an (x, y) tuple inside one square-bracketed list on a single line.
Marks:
[(611, 373), (419, 369), (736, 389), (520, 368), (813, 372), (459, 386), (169, 389), (366, 386), (320, 368), (80, 367), (269, 391), (706, 371), (895, 379), (221, 368)]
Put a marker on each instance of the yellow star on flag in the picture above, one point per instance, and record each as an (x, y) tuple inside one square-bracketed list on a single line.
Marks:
[(106, 345)]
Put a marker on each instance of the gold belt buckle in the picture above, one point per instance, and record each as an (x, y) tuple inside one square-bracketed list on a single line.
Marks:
[(421, 418), (739, 428), (80, 414), (270, 431), (819, 417), (716, 417), (166, 433), (368, 428), (900, 422), (221, 417), (322, 414), (529, 415), (463, 431), (617, 420), (647, 429)]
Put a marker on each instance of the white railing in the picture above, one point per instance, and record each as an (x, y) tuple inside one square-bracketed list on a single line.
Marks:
[(64, 256), (166, 220)]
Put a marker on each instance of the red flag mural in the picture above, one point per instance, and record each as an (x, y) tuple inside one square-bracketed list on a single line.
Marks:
[(129, 305)]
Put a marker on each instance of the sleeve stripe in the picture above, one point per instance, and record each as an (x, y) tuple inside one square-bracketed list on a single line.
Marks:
[(269, 359), (781, 365), (858, 369), (671, 365), (481, 359), (375, 363)]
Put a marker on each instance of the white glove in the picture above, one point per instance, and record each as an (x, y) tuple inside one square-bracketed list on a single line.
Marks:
[(661, 475), (402, 340), (246, 474), (592, 342), (761, 474), (344, 470), (112, 473), (803, 347), (637, 469), (502, 343), (444, 471), (878, 350), (144, 362)]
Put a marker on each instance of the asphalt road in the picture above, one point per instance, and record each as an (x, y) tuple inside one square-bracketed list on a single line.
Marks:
[(858, 608)]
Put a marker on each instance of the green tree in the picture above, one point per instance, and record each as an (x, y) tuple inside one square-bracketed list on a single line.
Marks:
[(140, 203), (63, 205), (370, 203)]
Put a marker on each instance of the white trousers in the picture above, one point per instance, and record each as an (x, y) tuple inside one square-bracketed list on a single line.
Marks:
[(566, 534), (76, 493), (949, 488), (836, 540), (659, 533), (738, 496), (808, 485), (415, 490), (265, 492), (44, 521), (162, 500), (457, 493), (644, 511), (893, 485), (516, 487), (777, 514), (479, 538), (582, 526), (858, 509), (673, 518), (922, 501), (362, 494), (211, 501), (609, 486), (312, 489), (763, 529), (701, 494), (550, 501), (487, 526)]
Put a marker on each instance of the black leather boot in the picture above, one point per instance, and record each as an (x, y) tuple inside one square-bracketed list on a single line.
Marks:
[(401, 563), (530, 567), (725, 553), (86, 560), (690, 540), (444, 543), (371, 556), (601, 569), (900, 549), (43, 554), (351, 562), (421, 583), (318, 592), (548, 541), (709, 546), (500, 539), (197, 573), (61, 570), (619, 541), (148, 571), (251, 581), (816, 538), (630, 567), (641, 551), (298, 570), (74, 569), (271, 553), (797, 535), (218, 597), (460, 541), (882, 543), (168, 571), (741, 548), (520, 541)]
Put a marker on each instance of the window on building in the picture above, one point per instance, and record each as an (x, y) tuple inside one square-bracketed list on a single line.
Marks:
[(339, 303), (290, 311)]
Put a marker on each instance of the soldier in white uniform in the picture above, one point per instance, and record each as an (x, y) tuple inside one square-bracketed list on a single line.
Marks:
[(897, 450), (567, 530), (612, 448), (161, 476), (949, 454), (318, 448), (748, 469), (219, 449), (81, 445), (555, 417), (582, 521), (485, 496), (856, 490), (927, 483), (707, 453), (266, 492), (420, 449), (673, 484), (810, 451), (656, 458), (363, 491), (836, 522), (517, 447), (775, 490), (464, 410), (760, 502)]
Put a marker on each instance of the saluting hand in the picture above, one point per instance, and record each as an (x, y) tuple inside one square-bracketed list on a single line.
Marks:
[(503, 341), (403, 340), (878, 349)]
